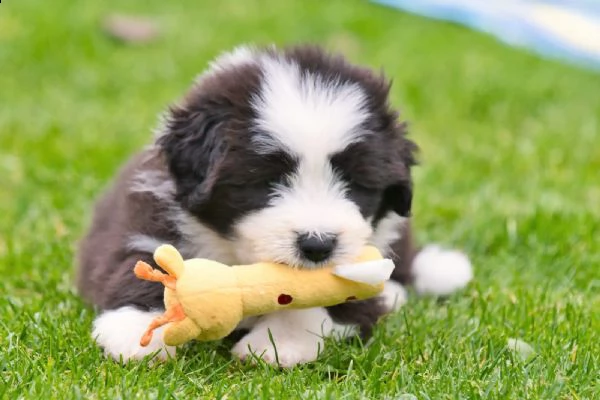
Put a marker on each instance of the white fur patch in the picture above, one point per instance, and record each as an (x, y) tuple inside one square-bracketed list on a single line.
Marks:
[(119, 332), (440, 272), (145, 243), (305, 114), (297, 335)]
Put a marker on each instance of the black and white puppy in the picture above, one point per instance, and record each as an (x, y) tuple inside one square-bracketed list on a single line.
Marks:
[(290, 155)]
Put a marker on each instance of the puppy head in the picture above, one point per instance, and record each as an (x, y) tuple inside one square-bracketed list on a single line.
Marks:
[(294, 155)]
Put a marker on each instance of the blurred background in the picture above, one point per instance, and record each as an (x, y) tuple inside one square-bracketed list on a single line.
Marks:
[(508, 138), (502, 131)]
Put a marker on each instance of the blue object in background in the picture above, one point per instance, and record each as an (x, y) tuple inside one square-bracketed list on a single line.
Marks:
[(567, 30)]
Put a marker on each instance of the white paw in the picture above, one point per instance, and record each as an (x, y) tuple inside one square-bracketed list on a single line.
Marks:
[(394, 296), (118, 333), (297, 337), (286, 353), (441, 272)]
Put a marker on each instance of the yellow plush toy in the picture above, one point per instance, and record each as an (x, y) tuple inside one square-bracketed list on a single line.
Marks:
[(206, 300)]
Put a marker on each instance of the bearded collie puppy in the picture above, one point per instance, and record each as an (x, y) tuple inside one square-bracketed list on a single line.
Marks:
[(288, 155)]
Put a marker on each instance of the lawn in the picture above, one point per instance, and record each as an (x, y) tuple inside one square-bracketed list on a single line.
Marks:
[(510, 172)]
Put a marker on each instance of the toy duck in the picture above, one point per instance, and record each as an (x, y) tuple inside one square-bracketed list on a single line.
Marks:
[(206, 300)]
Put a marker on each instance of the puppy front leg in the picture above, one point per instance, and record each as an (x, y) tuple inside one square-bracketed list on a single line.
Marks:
[(291, 337), (129, 306), (118, 333)]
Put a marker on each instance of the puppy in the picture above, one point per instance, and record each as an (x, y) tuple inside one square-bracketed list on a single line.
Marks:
[(289, 155)]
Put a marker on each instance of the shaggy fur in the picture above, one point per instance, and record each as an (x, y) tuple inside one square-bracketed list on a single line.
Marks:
[(290, 155)]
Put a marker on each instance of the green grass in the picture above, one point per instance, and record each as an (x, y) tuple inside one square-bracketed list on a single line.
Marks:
[(510, 173)]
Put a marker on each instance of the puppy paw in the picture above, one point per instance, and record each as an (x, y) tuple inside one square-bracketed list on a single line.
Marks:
[(118, 333), (283, 352), (286, 338)]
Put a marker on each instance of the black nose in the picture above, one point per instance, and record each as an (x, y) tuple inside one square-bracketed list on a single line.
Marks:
[(316, 247)]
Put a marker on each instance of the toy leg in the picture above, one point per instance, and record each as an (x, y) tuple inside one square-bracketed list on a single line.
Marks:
[(144, 271), (172, 314)]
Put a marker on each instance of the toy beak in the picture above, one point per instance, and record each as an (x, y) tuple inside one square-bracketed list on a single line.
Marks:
[(369, 272)]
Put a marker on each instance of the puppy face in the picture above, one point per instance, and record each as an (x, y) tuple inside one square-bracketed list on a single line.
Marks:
[(293, 155)]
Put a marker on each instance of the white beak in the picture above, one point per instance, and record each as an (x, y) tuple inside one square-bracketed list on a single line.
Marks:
[(370, 272)]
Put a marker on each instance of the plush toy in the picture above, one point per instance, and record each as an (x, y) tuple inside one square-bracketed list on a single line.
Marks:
[(206, 300)]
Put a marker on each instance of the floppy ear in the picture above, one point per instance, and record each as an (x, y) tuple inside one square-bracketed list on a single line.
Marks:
[(194, 146), (398, 198)]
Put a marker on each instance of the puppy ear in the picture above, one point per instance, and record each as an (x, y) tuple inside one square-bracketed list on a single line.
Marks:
[(398, 198), (194, 146)]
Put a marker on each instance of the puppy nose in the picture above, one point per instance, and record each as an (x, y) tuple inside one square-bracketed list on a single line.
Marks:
[(316, 247)]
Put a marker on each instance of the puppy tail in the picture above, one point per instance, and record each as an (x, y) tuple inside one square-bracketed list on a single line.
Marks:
[(440, 272)]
